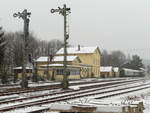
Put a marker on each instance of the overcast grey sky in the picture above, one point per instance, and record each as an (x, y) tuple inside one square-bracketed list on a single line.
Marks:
[(109, 24)]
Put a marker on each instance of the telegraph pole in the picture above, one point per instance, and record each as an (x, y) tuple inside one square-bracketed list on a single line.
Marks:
[(64, 12), (25, 16)]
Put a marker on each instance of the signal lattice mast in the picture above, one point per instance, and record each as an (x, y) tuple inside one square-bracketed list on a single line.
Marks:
[(25, 16), (64, 12)]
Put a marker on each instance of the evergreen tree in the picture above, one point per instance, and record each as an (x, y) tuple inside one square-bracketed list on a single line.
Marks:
[(136, 62)]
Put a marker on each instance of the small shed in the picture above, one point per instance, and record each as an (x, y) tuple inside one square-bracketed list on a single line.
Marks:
[(116, 71), (106, 71), (18, 71)]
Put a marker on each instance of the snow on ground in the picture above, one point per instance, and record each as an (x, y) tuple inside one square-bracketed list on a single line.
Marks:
[(51, 112), (127, 99), (121, 100), (27, 109), (147, 105)]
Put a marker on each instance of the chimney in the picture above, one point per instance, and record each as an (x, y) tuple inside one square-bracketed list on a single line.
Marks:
[(51, 57), (78, 47)]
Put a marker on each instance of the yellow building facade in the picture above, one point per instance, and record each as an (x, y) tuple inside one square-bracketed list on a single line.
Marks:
[(82, 62)]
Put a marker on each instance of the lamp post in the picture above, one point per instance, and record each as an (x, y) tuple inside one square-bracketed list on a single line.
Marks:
[(25, 16), (64, 12)]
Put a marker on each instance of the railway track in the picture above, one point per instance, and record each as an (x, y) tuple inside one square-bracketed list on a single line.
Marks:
[(50, 87), (102, 97), (75, 94), (73, 81), (68, 91)]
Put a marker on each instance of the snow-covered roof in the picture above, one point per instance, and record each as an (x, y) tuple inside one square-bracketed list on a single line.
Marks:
[(59, 65), (99, 108), (61, 58), (56, 58), (51, 65), (42, 59), (76, 50), (106, 69), (142, 69), (132, 70), (116, 69), (21, 67)]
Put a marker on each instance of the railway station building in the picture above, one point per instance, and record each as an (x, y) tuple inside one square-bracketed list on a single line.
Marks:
[(82, 62)]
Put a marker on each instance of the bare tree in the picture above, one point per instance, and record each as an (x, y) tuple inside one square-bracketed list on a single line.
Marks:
[(13, 54), (118, 58), (3, 68), (2, 45), (115, 58)]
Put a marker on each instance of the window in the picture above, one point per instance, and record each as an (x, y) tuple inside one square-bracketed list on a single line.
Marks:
[(75, 72), (59, 72), (70, 72)]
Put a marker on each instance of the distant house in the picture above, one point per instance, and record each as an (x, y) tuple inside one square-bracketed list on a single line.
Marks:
[(82, 62), (109, 71), (18, 71), (116, 71), (106, 71)]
